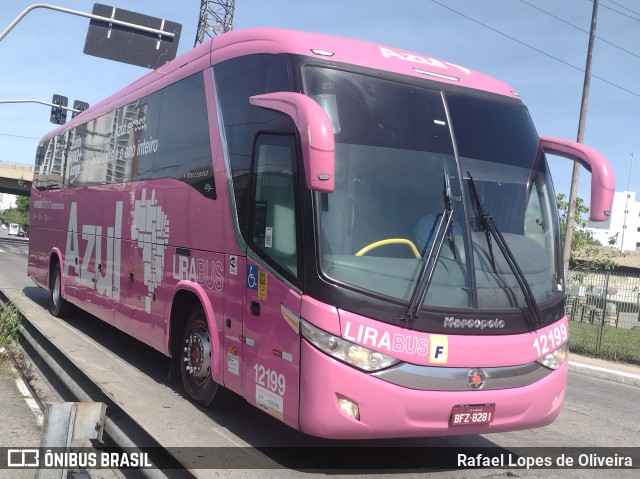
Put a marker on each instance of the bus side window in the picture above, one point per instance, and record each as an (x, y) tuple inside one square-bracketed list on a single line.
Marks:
[(273, 206), (39, 176), (236, 80)]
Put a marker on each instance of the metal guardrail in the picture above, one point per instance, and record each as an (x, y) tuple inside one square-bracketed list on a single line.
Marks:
[(62, 374), (604, 313)]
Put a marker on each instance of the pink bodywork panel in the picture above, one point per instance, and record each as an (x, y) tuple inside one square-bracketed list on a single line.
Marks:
[(425, 413), (387, 410)]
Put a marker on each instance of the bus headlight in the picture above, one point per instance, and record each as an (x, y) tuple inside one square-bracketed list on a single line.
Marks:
[(554, 359), (346, 351)]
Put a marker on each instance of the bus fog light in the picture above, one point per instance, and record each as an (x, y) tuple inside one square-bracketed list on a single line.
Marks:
[(349, 408), (554, 359)]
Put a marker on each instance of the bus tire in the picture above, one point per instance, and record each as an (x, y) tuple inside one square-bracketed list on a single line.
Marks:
[(58, 306), (196, 360)]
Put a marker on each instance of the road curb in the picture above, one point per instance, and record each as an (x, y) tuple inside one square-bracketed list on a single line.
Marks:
[(605, 373)]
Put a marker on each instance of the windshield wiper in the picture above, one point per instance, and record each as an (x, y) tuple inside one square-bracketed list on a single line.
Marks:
[(430, 257), (490, 229), (484, 220)]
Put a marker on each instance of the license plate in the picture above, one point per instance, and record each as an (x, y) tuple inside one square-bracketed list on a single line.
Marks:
[(473, 414)]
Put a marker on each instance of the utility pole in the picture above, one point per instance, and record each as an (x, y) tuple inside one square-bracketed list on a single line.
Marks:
[(573, 193), (626, 204)]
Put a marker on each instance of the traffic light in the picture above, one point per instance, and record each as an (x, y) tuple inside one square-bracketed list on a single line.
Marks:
[(58, 114), (80, 106)]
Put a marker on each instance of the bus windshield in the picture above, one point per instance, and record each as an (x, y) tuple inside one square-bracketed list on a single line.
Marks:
[(405, 155)]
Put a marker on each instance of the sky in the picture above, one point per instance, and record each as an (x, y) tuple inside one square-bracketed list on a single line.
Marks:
[(538, 47)]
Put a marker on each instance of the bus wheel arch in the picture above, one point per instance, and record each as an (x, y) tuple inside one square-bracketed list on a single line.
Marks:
[(195, 348)]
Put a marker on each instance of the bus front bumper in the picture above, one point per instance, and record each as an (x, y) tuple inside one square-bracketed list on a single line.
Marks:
[(387, 410)]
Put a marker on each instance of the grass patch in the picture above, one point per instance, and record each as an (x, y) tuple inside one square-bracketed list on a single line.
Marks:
[(9, 322), (617, 344), (12, 357)]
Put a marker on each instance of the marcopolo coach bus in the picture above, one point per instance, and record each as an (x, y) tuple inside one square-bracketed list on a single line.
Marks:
[(360, 241)]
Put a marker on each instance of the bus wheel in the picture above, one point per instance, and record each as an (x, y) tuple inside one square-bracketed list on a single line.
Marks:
[(58, 306), (196, 361)]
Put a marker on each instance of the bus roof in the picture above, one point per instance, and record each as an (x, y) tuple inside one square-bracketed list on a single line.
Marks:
[(276, 41), (356, 52)]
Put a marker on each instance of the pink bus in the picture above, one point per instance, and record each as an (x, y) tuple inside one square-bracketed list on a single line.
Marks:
[(361, 241)]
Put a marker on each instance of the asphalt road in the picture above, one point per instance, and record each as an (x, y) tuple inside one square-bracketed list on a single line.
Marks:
[(596, 413)]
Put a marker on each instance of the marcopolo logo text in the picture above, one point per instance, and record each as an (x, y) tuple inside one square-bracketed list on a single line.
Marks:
[(452, 322)]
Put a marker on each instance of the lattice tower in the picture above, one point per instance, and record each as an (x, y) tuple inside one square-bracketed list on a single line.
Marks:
[(216, 16)]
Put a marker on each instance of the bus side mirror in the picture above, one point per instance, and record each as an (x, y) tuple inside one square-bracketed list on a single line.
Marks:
[(316, 134), (602, 180)]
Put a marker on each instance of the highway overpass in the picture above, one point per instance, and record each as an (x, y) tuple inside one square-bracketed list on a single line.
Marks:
[(15, 179)]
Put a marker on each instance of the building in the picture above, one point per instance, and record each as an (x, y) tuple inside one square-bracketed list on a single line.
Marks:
[(7, 201), (624, 222)]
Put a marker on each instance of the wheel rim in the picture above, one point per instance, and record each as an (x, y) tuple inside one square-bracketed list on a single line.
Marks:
[(197, 354), (55, 292)]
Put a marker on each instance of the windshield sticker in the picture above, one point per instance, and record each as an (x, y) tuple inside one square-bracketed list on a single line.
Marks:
[(268, 237)]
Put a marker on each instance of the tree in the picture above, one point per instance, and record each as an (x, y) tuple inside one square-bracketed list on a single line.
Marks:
[(585, 249), (19, 214)]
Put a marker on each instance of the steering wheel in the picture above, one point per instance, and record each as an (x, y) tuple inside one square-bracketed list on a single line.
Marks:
[(377, 244)]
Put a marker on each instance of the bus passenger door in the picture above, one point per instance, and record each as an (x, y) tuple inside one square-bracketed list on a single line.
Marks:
[(271, 354), (272, 345)]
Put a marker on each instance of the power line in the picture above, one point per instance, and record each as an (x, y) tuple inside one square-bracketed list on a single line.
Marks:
[(579, 28), (622, 6), (507, 36), (535, 49), (19, 137), (621, 13)]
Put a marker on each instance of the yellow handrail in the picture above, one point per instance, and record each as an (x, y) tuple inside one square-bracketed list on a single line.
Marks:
[(409, 243)]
